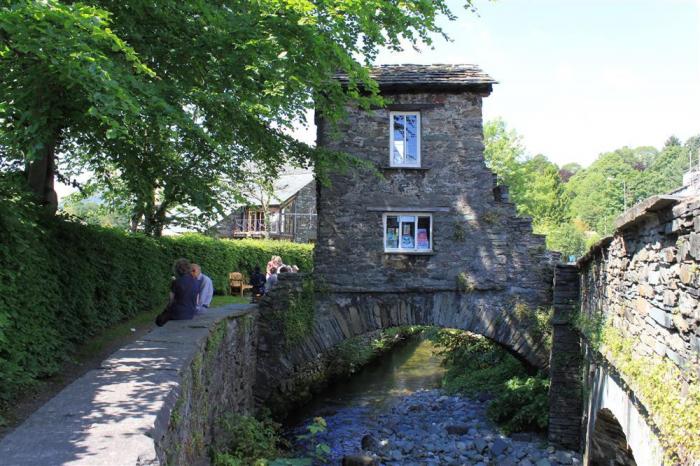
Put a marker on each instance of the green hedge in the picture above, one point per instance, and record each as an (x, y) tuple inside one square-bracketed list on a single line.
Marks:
[(62, 282)]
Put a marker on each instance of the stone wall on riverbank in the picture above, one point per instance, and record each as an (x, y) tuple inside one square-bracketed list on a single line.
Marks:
[(217, 381), (641, 286)]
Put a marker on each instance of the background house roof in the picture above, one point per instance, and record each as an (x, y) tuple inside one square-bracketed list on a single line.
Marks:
[(286, 186), (427, 76)]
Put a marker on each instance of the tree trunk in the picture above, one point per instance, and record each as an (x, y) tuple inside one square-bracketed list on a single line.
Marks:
[(40, 176)]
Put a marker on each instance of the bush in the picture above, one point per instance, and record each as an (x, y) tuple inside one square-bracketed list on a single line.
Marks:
[(522, 405), (476, 365), (62, 282), (245, 440)]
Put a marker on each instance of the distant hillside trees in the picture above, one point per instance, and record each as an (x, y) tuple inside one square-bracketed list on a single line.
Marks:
[(575, 206)]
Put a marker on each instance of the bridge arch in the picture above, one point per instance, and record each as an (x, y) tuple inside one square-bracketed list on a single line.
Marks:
[(609, 445), (618, 431), (338, 316)]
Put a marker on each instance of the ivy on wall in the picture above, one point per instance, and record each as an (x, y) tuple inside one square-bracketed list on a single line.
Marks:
[(672, 397)]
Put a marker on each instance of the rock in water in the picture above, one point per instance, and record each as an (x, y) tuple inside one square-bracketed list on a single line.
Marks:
[(499, 446), (369, 443), (457, 429), (359, 460)]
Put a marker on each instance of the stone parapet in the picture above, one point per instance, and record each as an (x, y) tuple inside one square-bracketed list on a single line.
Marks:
[(152, 402), (645, 279)]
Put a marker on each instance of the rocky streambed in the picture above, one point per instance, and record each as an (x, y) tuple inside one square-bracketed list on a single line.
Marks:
[(427, 427)]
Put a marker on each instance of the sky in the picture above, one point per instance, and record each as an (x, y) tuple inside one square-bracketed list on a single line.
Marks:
[(578, 78)]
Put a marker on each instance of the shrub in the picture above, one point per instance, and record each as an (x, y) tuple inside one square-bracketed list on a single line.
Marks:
[(245, 440), (522, 405), (62, 282), (476, 365)]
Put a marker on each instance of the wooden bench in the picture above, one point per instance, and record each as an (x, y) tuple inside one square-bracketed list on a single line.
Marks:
[(236, 281)]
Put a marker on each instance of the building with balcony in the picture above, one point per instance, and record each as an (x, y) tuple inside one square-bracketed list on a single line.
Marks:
[(287, 213)]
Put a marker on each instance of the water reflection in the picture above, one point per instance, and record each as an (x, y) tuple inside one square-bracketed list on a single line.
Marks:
[(411, 366)]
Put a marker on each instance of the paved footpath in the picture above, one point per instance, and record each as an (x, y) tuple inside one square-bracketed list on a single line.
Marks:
[(111, 415)]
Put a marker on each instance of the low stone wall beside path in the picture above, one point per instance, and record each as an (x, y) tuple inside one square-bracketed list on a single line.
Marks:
[(155, 401)]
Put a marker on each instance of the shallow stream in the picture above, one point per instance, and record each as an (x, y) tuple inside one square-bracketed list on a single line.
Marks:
[(394, 412)]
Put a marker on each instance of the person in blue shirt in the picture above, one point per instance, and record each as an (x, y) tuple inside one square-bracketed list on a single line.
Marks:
[(206, 288)]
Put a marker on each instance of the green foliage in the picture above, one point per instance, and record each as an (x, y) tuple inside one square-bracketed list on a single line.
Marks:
[(63, 65), (219, 257), (321, 450), (354, 353), (538, 322), (62, 282), (244, 440), (522, 405), (575, 206), (671, 397), (224, 83), (298, 319), (94, 212), (476, 365)]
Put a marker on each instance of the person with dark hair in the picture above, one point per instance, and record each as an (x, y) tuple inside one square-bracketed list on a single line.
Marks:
[(183, 294), (257, 281)]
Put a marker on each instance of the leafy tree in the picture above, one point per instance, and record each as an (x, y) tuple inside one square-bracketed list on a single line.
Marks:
[(62, 67), (95, 211), (568, 170), (534, 183), (204, 90)]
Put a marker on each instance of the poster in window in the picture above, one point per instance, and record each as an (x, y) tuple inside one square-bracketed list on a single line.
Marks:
[(392, 238), (422, 241), (407, 241)]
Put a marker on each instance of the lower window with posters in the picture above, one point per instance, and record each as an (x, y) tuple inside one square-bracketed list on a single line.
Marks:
[(406, 232)]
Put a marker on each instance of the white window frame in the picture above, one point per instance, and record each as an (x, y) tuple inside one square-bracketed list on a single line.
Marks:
[(415, 249), (391, 140)]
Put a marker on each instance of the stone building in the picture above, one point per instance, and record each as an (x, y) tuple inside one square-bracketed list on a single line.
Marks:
[(435, 220), (287, 213)]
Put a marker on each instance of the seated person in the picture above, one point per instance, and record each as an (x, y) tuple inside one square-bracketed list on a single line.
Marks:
[(183, 292), (206, 288), (271, 280), (257, 281), (275, 262)]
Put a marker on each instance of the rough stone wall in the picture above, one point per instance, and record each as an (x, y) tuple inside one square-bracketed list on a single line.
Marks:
[(283, 366), (305, 210), (479, 235), (219, 380), (224, 229), (646, 280), (565, 392)]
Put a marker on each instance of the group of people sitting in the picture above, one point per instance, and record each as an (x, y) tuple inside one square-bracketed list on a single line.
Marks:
[(262, 284), (190, 292)]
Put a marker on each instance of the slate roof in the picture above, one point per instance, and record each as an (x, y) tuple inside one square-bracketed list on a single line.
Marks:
[(428, 76), (285, 186)]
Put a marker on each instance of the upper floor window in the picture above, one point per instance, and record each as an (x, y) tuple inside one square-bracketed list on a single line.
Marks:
[(408, 232), (405, 139)]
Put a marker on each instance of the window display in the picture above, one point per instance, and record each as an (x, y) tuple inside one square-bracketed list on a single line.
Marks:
[(407, 232)]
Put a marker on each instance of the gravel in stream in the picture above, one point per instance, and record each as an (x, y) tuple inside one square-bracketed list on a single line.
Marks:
[(429, 428)]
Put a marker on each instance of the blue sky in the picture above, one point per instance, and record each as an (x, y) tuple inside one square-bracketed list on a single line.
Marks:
[(577, 78)]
